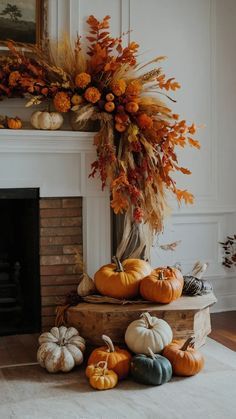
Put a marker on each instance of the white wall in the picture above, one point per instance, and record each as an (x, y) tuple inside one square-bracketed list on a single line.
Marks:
[(198, 36)]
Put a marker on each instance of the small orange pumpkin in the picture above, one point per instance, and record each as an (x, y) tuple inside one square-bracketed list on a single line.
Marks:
[(121, 280), (132, 107), (14, 123), (103, 379), (110, 97), (109, 106), (185, 360), (118, 360), (163, 285), (120, 127), (94, 368)]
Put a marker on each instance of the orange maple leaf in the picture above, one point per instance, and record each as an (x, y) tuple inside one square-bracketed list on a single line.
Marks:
[(184, 170), (194, 143), (186, 196), (119, 203)]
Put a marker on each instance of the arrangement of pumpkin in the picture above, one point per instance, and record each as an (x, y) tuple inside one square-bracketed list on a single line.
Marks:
[(117, 359), (156, 357), (135, 276)]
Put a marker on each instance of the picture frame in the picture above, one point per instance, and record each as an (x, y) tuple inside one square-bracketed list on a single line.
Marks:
[(23, 21)]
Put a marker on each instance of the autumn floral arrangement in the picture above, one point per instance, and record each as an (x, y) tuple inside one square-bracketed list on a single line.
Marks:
[(138, 133)]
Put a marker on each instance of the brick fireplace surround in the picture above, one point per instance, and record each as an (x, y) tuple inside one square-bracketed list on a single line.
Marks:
[(60, 235), (58, 163)]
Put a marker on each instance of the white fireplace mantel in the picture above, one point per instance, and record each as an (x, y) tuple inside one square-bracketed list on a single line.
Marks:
[(59, 163)]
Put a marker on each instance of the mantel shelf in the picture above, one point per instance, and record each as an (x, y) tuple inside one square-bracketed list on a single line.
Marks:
[(30, 140)]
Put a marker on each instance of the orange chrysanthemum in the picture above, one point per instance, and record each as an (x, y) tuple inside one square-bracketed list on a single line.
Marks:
[(14, 77), (144, 121), (118, 87), (82, 80), (62, 102), (92, 94), (133, 88)]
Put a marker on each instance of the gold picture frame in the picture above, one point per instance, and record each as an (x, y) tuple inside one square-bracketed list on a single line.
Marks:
[(23, 21)]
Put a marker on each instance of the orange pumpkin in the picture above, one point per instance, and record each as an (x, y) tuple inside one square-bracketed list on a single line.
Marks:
[(132, 107), (121, 280), (120, 127), (109, 106), (14, 123), (185, 360), (163, 285), (93, 368), (118, 360), (110, 97)]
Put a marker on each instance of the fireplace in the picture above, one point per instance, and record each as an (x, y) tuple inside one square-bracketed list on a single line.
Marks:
[(19, 261), (56, 165)]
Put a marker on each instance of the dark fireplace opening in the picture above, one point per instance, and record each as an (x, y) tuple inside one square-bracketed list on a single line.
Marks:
[(20, 305)]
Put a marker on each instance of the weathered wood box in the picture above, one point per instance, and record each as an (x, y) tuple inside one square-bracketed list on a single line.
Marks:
[(187, 316)]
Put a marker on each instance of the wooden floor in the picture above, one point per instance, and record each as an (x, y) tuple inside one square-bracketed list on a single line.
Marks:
[(224, 328), (22, 349)]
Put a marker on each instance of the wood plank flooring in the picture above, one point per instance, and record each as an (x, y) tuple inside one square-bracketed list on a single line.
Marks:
[(22, 349), (224, 328)]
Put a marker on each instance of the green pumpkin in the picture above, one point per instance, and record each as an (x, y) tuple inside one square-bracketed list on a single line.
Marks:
[(153, 369)]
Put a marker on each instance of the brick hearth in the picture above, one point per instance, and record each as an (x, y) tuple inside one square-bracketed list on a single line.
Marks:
[(60, 234)]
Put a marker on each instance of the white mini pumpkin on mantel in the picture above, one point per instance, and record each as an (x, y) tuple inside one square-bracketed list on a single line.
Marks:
[(46, 120), (61, 349), (148, 332)]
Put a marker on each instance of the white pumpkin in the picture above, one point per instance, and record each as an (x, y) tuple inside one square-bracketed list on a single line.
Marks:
[(61, 349), (148, 332), (46, 120)]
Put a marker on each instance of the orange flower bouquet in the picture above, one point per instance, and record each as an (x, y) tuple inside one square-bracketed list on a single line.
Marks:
[(138, 136)]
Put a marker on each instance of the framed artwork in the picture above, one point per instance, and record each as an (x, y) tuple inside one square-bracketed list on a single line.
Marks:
[(22, 20)]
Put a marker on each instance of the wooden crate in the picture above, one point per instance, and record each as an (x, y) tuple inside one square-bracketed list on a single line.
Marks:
[(187, 316)]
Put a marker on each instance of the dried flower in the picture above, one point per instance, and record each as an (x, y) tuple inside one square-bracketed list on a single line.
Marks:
[(118, 87), (82, 80), (138, 214), (76, 99), (133, 88), (92, 94), (144, 121), (14, 77), (62, 102), (139, 134)]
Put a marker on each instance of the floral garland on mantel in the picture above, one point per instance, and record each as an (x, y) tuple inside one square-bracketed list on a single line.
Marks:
[(138, 136)]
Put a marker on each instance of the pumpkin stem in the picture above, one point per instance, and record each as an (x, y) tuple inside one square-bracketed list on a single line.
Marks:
[(109, 343), (119, 267), (161, 275), (100, 363), (151, 353), (148, 320), (188, 343)]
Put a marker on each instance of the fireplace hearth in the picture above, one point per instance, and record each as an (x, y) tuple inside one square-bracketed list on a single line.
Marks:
[(19, 261)]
